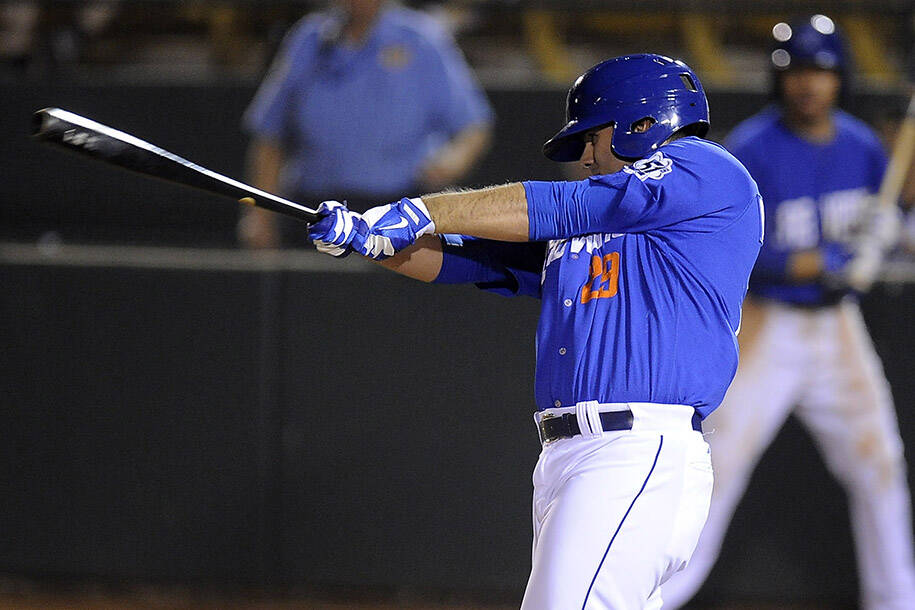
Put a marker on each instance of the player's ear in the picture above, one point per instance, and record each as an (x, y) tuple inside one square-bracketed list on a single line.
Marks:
[(642, 125)]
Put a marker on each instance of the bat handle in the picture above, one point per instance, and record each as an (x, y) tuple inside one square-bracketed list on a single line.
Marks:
[(304, 215)]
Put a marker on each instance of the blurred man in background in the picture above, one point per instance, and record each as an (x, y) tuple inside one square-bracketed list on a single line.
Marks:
[(50, 36), (804, 345), (368, 99)]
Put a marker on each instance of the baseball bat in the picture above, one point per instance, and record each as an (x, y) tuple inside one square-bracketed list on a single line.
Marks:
[(865, 266), (86, 137), (900, 161)]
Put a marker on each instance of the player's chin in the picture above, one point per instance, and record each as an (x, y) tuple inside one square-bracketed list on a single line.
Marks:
[(810, 108)]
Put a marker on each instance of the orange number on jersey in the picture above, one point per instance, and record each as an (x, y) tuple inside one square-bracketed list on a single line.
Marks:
[(604, 279)]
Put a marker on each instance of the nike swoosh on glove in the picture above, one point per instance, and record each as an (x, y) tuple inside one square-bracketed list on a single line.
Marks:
[(393, 227), (338, 228)]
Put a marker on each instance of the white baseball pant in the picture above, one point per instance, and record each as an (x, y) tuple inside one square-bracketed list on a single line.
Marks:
[(616, 513), (821, 364)]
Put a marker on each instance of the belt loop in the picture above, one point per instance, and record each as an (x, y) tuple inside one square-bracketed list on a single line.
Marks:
[(589, 418)]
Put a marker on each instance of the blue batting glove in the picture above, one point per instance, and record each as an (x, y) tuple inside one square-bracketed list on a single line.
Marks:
[(393, 227), (338, 227)]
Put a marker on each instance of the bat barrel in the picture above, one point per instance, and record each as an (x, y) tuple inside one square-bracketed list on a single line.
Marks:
[(52, 125), (43, 124), (87, 137)]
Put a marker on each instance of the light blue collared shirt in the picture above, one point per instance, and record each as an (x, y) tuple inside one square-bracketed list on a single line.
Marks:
[(364, 119)]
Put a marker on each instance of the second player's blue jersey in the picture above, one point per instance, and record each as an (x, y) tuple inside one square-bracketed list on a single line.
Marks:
[(815, 194), (642, 278)]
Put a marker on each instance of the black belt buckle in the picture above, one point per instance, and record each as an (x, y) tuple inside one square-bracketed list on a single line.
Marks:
[(556, 427)]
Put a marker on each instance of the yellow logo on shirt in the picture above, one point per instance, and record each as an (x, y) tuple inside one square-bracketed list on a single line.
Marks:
[(395, 57)]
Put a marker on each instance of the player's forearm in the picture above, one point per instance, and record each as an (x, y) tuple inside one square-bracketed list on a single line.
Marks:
[(497, 212), (794, 267), (421, 261), (805, 266), (265, 158), (466, 147), (453, 160), (257, 227)]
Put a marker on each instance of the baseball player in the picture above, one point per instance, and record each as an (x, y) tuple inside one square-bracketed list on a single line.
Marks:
[(635, 266), (804, 345)]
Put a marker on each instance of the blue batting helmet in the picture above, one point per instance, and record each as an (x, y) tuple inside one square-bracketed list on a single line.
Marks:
[(813, 41), (623, 91)]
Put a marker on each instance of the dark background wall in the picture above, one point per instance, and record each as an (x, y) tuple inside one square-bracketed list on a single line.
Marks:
[(237, 428), (295, 428)]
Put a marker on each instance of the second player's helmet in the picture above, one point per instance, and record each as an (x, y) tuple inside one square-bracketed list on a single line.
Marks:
[(813, 41), (623, 91)]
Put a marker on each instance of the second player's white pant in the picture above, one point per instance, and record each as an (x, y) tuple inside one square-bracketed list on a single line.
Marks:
[(822, 364), (615, 515)]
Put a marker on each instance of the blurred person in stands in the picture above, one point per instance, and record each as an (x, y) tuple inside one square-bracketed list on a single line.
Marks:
[(367, 99), (18, 24), (51, 36), (803, 343)]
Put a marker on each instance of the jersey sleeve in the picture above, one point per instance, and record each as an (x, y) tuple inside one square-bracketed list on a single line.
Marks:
[(269, 112), (655, 193), (509, 269)]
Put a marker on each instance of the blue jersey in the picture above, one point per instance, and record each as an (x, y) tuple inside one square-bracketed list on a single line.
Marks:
[(364, 119), (814, 194), (641, 277)]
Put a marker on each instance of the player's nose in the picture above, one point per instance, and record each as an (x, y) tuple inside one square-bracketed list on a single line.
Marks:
[(587, 155)]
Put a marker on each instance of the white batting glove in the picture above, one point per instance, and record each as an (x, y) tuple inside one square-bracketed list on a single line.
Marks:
[(879, 234), (393, 227), (337, 229)]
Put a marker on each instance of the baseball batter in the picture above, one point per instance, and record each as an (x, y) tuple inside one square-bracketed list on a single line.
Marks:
[(804, 346), (635, 267)]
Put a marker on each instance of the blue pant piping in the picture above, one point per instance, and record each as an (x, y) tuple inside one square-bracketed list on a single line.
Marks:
[(618, 527)]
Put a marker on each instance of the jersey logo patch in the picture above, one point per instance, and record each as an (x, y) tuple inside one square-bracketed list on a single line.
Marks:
[(395, 57), (654, 167)]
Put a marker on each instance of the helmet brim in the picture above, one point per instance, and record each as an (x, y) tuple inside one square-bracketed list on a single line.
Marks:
[(568, 143)]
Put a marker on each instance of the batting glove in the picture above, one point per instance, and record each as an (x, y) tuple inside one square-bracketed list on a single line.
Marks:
[(394, 227), (881, 225), (879, 234), (338, 227), (835, 258)]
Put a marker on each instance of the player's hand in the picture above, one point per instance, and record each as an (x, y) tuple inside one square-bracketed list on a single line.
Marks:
[(378, 234), (334, 233), (834, 260), (879, 234), (393, 227), (439, 173), (880, 226), (257, 229)]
